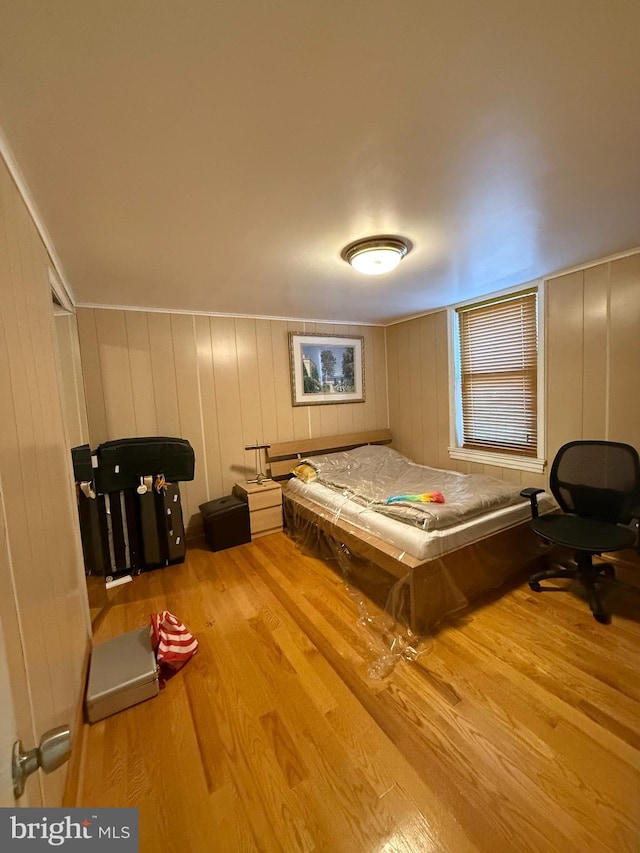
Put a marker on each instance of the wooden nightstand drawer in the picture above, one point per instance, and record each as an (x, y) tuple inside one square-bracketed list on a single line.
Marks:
[(265, 506), (262, 500), (259, 495), (265, 521)]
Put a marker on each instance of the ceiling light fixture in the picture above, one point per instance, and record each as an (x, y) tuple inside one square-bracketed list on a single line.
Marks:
[(376, 255)]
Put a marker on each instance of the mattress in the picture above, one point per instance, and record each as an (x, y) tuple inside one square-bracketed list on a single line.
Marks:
[(419, 543)]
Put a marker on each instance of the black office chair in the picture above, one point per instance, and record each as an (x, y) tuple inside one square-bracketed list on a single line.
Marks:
[(597, 485)]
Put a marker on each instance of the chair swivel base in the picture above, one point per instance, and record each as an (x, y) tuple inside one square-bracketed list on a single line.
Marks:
[(587, 574)]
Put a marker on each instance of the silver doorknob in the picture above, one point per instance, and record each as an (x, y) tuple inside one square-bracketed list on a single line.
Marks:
[(51, 753)]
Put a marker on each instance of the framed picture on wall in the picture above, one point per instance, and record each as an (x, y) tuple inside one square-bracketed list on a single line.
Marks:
[(326, 369)]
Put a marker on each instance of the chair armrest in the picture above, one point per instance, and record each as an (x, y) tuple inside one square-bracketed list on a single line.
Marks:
[(532, 494)]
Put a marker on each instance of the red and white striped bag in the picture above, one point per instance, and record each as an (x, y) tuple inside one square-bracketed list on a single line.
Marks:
[(172, 641)]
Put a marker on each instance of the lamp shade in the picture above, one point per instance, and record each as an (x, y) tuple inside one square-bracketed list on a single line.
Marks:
[(375, 255)]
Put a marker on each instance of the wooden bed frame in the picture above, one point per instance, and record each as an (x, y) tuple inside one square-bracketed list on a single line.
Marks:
[(470, 570)]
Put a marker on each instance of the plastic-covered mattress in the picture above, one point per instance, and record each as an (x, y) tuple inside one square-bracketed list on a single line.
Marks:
[(422, 544), (424, 511)]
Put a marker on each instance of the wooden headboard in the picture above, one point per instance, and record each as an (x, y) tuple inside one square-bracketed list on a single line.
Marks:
[(283, 456)]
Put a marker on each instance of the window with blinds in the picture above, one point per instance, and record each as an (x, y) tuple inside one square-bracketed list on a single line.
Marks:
[(498, 348)]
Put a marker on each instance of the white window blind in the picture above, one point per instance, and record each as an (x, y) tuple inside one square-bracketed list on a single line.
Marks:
[(498, 374)]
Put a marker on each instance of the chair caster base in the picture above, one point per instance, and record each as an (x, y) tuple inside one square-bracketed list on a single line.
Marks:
[(602, 618), (535, 586)]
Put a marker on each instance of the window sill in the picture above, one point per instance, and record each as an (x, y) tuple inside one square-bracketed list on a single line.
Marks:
[(501, 460)]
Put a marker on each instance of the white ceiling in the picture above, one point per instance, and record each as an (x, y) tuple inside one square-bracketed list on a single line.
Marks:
[(217, 157)]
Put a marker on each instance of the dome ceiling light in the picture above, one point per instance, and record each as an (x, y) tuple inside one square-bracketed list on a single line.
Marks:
[(376, 255)]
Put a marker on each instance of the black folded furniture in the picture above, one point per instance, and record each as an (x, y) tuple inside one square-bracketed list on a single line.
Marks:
[(226, 522), (93, 534), (597, 485), (131, 488), (82, 467), (122, 463)]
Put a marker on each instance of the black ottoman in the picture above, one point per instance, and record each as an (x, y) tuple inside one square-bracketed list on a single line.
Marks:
[(226, 522)]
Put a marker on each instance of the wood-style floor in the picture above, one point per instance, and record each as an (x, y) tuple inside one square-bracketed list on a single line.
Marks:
[(516, 730)]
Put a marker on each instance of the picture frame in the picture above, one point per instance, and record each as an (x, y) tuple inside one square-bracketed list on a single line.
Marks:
[(326, 369)]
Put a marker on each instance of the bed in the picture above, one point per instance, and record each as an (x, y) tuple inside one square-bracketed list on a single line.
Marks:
[(421, 559)]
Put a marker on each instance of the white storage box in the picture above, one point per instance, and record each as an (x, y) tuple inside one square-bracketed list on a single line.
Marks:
[(122, 672)]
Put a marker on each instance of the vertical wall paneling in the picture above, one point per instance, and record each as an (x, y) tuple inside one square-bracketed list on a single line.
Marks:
[(33, 441), (54, 473), (144, 401), (329, 420), (225, 367), (415, 390), (79, 380), (418, 388), (92, 373), (17, 435), (383, 379), (249, 388), (595, 351), (593, 328), (267, 381), (344, 412), (188, 403), (440, 332), (428, 390), (624, 351), (116, 372), (564, 325), (74, 407), (400, 417), (220, 382), (211, 465), (282, 387), (46, 577), (163, 373), (14, 688), (59, 531), (393, 391)]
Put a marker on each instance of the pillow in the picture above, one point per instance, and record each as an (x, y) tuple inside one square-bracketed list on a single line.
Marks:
[(305, 472)]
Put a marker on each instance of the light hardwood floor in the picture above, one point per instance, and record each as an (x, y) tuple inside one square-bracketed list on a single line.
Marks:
[(516, 730)]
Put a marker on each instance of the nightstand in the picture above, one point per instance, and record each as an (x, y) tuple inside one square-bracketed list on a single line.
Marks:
[(265, 506)]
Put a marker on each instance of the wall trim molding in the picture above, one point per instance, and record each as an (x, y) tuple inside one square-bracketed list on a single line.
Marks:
[(228, 315), (414, 317), (546, 278), (63, 290), (595, 263)]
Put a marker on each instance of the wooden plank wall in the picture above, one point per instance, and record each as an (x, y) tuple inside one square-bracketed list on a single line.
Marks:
[(419, 389), (74, 409), (43, 572), (224, 382), (593, 353), (592, 336), (220, 382)]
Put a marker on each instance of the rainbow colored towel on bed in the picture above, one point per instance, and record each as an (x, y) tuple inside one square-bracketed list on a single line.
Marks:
[(427, 497)]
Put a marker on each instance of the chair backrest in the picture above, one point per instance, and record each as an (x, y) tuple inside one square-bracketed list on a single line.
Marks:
[(597, 479)]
